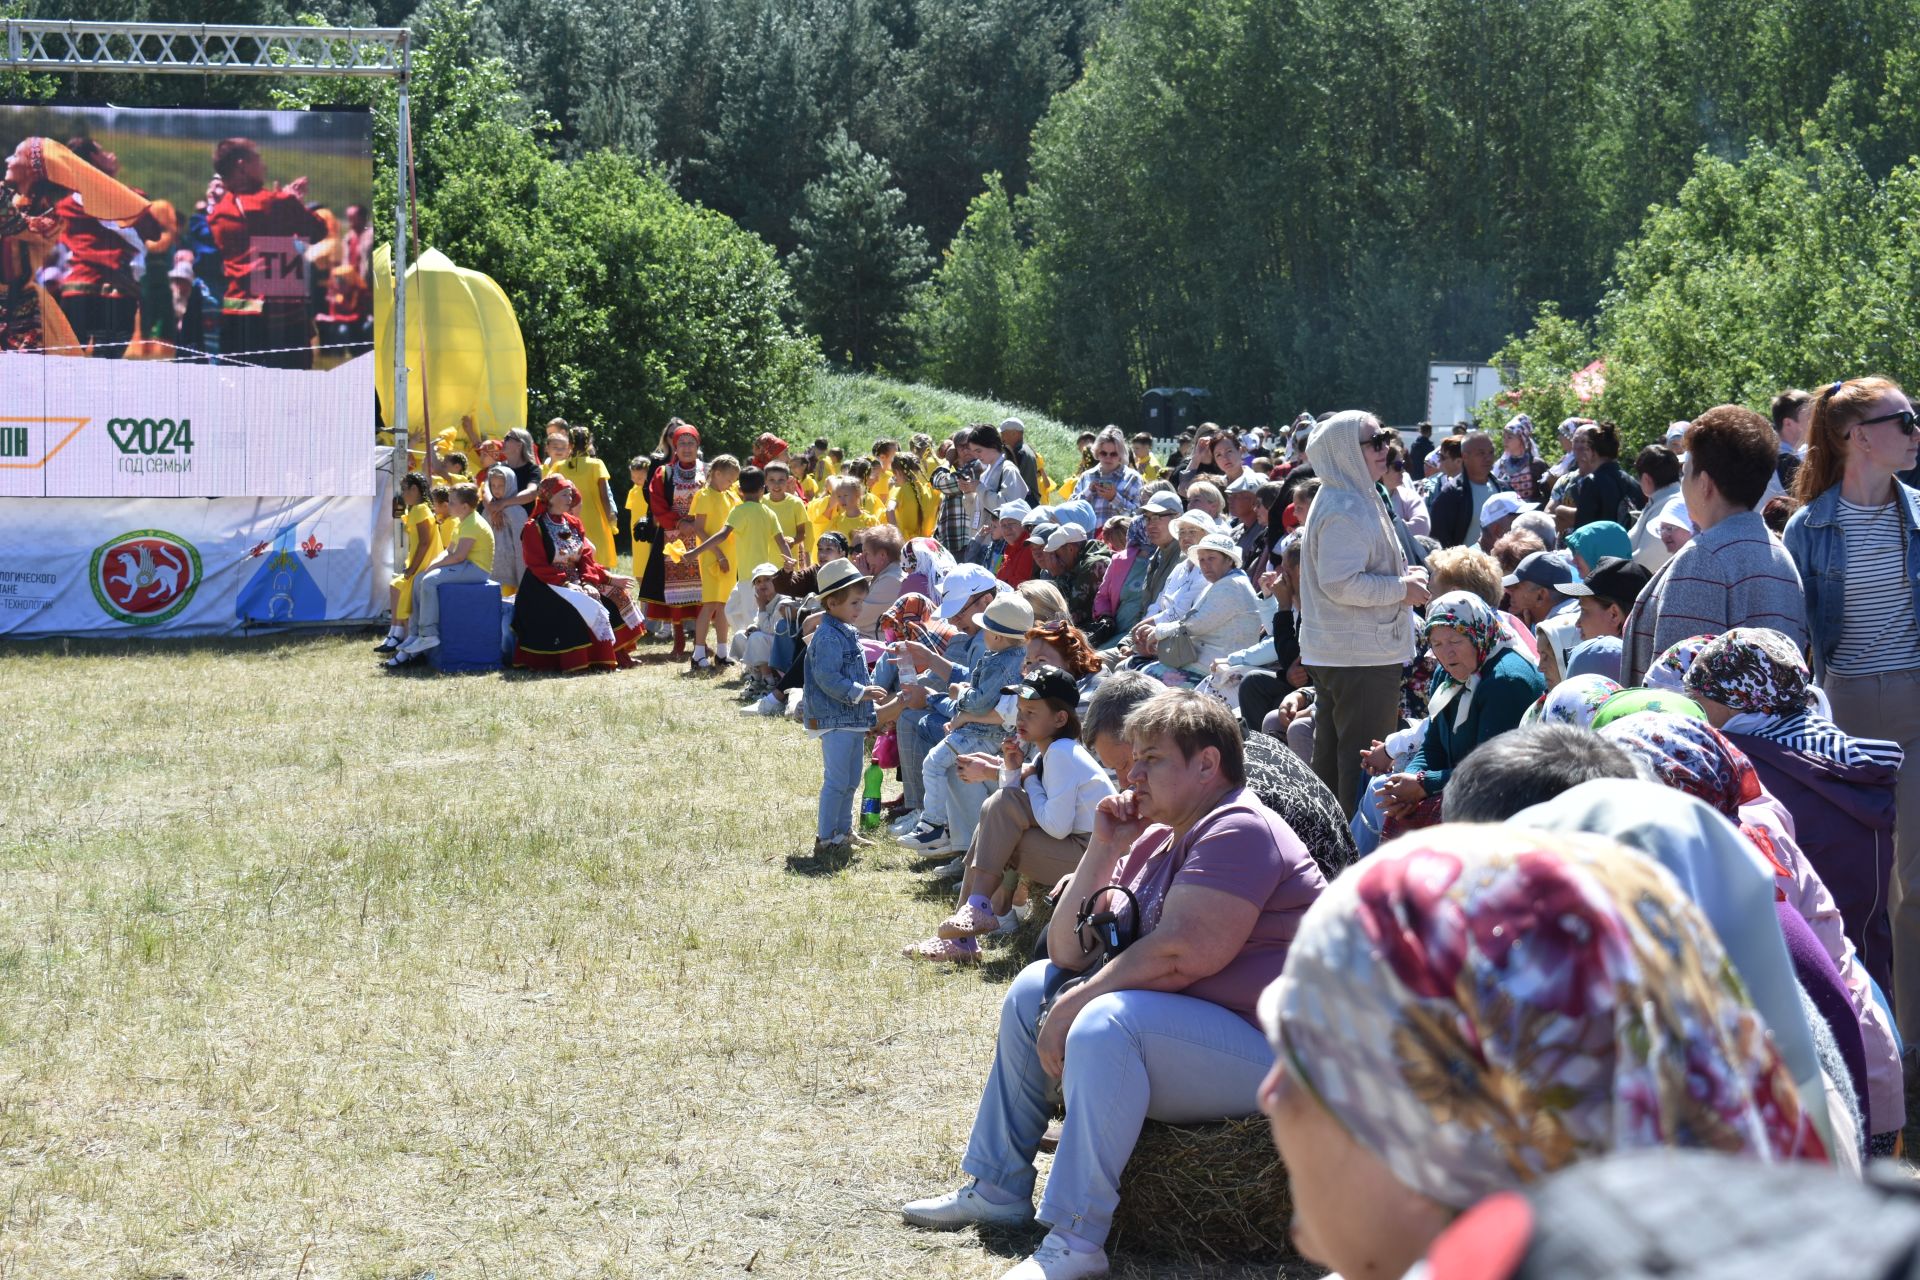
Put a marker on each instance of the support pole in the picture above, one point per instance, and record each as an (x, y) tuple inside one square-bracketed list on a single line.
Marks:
[(402, 225)]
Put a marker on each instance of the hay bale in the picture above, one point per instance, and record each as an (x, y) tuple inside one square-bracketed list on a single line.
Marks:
[(1205, 1193)]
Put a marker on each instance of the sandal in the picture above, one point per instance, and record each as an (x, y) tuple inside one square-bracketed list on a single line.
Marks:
[(968, 922), (939, 949)]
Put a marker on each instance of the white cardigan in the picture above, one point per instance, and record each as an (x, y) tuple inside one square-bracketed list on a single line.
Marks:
[(1225, 618), (1073, 783)]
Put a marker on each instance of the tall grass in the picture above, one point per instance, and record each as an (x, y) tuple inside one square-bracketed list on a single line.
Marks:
[(854, 410)]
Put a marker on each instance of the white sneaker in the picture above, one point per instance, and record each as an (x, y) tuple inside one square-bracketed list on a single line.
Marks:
[(955, 869), (419, 645), (965, 1208), (906, 823), (769, 705), (1054, 1261)]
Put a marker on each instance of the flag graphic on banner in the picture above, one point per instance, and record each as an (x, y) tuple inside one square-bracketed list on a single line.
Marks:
[(282, 589)]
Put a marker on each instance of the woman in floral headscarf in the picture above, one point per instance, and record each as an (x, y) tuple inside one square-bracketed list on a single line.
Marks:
[(1483, 688), (570, 613), (1473, 1008), (1692, 756), (1753, 685), (1669, 670), (670, 588), (1519, 466), (1575, 701)]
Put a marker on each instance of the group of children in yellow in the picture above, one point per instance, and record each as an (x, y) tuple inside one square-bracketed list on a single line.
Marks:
[(769, 513)]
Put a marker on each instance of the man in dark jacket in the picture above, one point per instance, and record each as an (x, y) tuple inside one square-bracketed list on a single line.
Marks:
[(1455, 509), (1079, 566), (1013, 437)]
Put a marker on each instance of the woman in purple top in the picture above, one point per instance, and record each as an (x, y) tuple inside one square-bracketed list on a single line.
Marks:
[(1167, 1029)]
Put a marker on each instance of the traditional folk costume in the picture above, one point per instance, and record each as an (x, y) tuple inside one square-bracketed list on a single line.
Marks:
[(65, 198), (567, 617), (671, 588)]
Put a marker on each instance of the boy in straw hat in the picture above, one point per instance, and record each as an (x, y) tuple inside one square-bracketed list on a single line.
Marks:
[(839, 710)]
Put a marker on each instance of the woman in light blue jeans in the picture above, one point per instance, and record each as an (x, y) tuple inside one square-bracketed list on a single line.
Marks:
[(1164, 1030)]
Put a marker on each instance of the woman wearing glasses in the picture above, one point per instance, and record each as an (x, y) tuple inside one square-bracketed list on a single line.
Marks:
[(1856, 542), (1356, 630)]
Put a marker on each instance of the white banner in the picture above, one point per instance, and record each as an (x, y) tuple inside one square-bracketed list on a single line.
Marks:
[(191, 567), (72, 427)]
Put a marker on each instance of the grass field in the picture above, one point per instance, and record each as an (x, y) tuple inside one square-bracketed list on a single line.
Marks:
[(311, 971)]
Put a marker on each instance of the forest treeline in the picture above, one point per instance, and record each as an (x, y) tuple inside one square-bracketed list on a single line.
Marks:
[(1293, 203)]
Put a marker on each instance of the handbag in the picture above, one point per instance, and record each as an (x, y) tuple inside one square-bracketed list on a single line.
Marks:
[(1108, 936), (1178, 648)]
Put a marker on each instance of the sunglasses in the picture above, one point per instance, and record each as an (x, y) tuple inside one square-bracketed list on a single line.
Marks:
[(1380, 441), (1905, 418)]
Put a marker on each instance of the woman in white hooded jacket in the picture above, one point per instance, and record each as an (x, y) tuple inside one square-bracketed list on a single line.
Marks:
[(1356, 631)]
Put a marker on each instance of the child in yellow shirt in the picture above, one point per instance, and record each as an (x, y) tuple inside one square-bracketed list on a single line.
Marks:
[(636, 512), (708, 512), (423, 548), (1143, 458), (847, 512), (444, 521), (796, 525)]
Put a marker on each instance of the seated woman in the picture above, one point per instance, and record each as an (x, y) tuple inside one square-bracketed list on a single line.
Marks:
[(1484, 688), (1184, 583), (570, 613), (1692, 756), (1036, 823), (1217, 884), (1734, 889), (1754, 686), (1441, 1035), (1224, 619)]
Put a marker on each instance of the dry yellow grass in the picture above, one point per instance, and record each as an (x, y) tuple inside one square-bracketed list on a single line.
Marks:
[(310, 971)]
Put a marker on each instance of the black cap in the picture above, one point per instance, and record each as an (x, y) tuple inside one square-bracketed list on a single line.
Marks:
[(1050, 683), (1614, 578)]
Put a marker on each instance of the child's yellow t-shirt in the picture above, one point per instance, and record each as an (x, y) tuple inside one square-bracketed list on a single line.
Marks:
[(711, 506), (846, 525), (756, 537), (636, 506), (791, 513), (871, 505), (421, 527), (444, 526), (472, 526)]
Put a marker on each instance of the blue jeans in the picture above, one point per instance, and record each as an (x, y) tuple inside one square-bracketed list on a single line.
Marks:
[(1368, 821), (843, 755), (426, 594), (918, 732), (1131, 1056)]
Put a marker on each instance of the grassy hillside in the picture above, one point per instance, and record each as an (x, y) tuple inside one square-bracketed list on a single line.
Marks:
[(854, 410)]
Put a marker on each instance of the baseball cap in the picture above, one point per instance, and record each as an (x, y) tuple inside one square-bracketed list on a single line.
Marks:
[(1048, 682), (1035, 517), (961, 584), (1615, 577), (1543, 569), (1675, 515), (1677, 432), (1249, 482), (1066, 533), (1015, 510), (765, 571), (1008, 615), (1164, 503), (1012, 424), (1499, 506), (1039, 533)]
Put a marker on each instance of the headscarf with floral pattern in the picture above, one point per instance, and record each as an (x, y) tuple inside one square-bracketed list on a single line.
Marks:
[(1480, 622), (1575, 701), (1481, 1006), (1751, 669), (1669, 670)]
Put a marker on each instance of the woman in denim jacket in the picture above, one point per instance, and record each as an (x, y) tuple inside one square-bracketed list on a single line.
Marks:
[(1856, 542)]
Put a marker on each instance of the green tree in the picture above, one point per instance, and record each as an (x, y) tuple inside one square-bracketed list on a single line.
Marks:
[(967, 318), (859, 265)]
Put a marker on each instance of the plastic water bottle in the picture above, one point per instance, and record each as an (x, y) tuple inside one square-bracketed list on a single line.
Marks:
[(870, 797)]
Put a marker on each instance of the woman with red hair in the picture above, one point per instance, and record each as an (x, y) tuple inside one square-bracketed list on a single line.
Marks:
[(570, 613)]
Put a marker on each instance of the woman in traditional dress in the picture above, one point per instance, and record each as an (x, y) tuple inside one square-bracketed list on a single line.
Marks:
[(43, 180), (570, 612), (671, 588)]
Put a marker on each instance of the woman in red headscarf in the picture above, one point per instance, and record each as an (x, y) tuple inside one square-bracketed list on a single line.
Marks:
[(570, 613), (670, 588), (768, 447)]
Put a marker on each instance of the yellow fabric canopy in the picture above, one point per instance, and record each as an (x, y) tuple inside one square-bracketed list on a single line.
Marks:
[(462, 336)]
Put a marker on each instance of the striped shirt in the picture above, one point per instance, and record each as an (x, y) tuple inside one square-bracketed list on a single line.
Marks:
[(1878, 632)]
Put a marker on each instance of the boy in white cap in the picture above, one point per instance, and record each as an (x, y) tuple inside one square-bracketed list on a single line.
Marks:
[(753, 645)]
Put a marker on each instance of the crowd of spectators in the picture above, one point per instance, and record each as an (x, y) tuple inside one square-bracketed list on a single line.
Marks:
[(1473, 825)]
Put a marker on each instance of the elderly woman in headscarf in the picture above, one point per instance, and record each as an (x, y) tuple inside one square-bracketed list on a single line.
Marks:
[(570, 613), (1473, 1008), (1692, 756), (1839, 790), (1483, 688), (1520, 467), (1592, 543)]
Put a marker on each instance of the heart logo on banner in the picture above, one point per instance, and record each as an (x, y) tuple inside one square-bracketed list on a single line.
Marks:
[(125, 431)]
